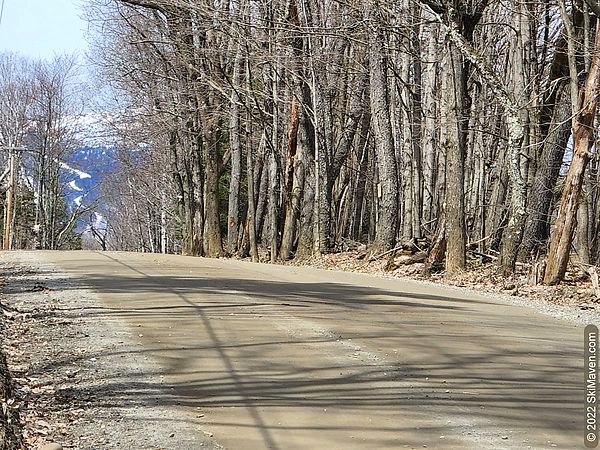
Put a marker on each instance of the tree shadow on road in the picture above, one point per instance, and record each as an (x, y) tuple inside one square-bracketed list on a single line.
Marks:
[(373, 352)]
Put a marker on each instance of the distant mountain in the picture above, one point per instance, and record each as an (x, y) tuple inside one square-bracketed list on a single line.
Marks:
[(97, 130), (87, 167), (82, 175), (84, 171)]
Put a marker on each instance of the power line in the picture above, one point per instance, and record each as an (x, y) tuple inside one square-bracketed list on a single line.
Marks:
[(1, 12)]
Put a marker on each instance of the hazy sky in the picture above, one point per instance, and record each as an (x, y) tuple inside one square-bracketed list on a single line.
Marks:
[(42, 28)]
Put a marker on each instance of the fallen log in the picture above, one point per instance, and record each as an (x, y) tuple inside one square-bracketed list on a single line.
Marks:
[(406, 260)]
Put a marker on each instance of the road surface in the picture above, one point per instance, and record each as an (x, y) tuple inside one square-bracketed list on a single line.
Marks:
[(294, 358)]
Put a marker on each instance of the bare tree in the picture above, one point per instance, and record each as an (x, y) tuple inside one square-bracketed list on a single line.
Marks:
[(584, 103)]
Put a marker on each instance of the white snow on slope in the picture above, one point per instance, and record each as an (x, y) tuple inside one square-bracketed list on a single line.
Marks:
[(97, 129), (82, 175), (74, 186), (99, 223), (78, 200)]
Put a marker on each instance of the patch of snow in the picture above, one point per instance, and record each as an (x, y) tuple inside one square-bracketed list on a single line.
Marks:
[(99, 223), (82, 175), (96, 129), (27, 180), (74, 186), (78, 200)]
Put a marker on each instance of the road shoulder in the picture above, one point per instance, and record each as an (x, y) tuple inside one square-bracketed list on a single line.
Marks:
[(81, 376)]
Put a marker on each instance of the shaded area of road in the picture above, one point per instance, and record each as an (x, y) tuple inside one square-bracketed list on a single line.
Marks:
[(283, 358)]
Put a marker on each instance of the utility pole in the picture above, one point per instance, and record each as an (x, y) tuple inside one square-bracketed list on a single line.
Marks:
[(10, 195)]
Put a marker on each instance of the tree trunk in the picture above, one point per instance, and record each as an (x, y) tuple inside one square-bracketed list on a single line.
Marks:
[(517, 166), (416, 119), (213, 246), (387, 220), (562, 231), (583, 230), (430, 124), (452, 103), (537, 226), (251, 219), (235, 146), (566, 220), (294, 185), (515, 135), (323, 206), (305, 245), (359, 204)]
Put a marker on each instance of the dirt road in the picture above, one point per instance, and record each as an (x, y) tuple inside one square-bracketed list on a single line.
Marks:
[(290, 358)]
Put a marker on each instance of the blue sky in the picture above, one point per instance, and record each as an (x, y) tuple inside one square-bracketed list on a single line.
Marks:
[(42, 28)]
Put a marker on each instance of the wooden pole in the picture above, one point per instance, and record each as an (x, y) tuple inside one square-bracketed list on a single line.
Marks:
[(10, 196), (9, 203)]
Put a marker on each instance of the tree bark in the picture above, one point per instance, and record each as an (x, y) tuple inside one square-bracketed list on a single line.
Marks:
[(430, 124), (453, 114), (213, 245), (566, 220), (583, 230), (515, 132), (251, 219), (235, 146), (294, 184), (387, 221), (550, 161)]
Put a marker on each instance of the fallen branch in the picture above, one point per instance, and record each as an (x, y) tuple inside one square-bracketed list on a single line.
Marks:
[(376, 257), (483, 255), (406, 260)]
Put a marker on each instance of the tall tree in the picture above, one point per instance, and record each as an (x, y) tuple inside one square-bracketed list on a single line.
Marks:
[(584, 102), (387, 189)]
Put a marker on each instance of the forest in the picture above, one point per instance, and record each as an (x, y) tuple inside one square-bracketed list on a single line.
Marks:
[(304, 127), (38, 134)]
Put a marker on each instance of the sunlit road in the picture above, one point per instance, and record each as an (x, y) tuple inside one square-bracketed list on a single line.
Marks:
[(290, 358)]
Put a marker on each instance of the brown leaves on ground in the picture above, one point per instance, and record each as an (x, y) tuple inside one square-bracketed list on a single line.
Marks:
[(576, 290), (45, 414), (31, 332)]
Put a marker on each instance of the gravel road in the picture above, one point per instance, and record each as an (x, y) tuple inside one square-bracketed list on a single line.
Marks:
[(180, 353)]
